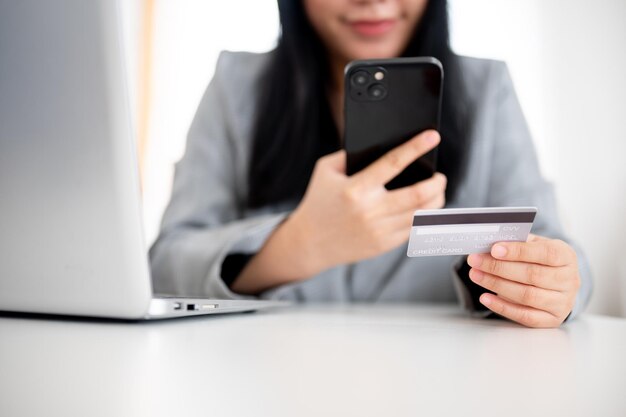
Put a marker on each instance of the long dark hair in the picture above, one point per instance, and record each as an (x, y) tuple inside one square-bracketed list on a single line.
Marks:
[(294, 125)]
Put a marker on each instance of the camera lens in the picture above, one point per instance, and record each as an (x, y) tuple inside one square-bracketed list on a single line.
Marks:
[(377, 91), (360, 78)]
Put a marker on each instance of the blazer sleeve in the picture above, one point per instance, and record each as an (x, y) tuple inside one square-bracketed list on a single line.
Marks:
[(516, 180), (205, 220)]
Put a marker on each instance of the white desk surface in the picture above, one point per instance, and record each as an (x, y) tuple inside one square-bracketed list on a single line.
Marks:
[(362, 360)]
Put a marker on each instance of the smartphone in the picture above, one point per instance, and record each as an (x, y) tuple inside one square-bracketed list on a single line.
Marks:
[(386, 103)]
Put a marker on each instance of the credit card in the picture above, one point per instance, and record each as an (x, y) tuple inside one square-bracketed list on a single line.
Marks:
[(463, 231)]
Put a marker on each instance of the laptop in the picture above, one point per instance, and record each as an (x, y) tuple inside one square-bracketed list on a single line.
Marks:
[(71, 233)]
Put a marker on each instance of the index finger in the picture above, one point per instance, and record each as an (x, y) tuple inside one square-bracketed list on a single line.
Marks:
[(388, 166), (534, 238), (544, 252)]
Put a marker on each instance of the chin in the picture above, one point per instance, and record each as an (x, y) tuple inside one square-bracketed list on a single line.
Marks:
[(371, 51)]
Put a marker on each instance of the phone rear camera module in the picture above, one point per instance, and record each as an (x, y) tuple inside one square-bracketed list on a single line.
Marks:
[(360, 78), (377, 91)]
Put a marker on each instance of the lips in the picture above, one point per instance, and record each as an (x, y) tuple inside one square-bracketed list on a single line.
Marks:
[(372, 28)]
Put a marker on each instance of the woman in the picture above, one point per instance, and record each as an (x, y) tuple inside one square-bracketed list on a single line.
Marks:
[(262, 206)]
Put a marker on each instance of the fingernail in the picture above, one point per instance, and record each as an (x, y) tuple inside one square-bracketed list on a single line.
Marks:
[(474, 260), (475, 275), (432, 137), (498, 251), (485, 299)]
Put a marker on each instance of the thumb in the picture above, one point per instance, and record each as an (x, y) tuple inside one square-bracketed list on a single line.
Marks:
[(335, 161)]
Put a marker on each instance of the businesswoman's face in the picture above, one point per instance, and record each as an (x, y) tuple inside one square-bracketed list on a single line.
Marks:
[(362, 29)]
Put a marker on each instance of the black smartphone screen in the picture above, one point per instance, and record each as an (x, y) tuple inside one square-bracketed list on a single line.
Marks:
[(387, 102)]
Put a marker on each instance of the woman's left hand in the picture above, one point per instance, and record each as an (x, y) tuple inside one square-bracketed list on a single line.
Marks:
[(536, 282)]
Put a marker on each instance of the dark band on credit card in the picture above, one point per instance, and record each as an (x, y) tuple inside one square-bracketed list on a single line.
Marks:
[(473, 218)]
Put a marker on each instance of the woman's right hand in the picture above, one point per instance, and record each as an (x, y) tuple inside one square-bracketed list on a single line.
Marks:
[(344, 219)]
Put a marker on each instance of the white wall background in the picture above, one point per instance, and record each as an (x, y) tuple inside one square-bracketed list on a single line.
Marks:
[(568, 61)]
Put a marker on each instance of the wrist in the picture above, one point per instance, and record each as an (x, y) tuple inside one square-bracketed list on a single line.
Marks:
[(300, 234)]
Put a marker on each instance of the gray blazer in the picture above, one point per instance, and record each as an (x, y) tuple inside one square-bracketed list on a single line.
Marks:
[(206, 219)]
